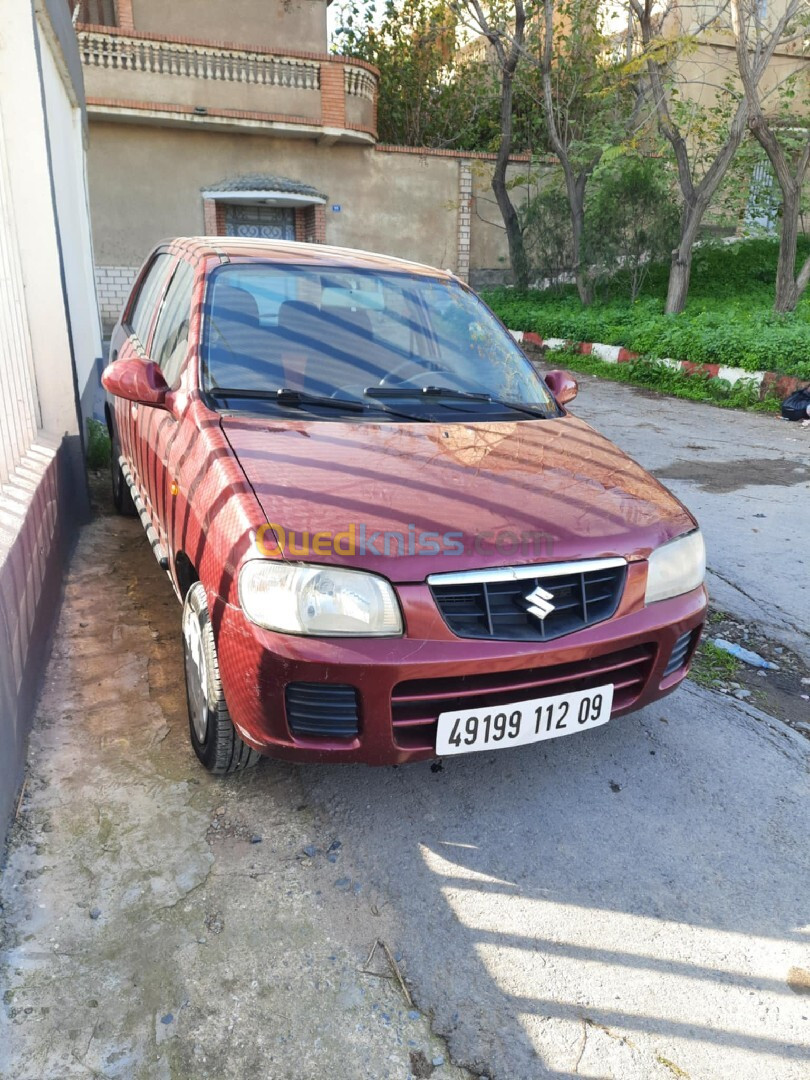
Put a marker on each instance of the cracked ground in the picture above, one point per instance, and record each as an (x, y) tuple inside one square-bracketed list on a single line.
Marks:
[(627, 905)]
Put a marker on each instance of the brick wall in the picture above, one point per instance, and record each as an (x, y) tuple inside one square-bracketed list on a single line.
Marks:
[(113, 286), (213, 217), (465, 196), (310, 224), (333, 96)]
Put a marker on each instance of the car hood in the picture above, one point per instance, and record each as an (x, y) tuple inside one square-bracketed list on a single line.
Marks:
[(412, 499)]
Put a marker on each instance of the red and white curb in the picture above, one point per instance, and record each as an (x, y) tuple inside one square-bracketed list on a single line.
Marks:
[(782, 385)]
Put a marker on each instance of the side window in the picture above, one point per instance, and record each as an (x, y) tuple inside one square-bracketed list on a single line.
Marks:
[(170, 343), (140, 318)]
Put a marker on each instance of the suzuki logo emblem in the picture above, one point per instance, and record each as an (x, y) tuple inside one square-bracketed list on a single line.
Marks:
[(538, 601)]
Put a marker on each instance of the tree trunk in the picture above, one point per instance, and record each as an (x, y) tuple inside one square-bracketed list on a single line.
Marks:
[(576, 198), (787, 292), (681, 268), (514, 233)]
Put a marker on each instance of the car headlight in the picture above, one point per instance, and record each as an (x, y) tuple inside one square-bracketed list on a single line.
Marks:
[(319, 600), (676, 567)]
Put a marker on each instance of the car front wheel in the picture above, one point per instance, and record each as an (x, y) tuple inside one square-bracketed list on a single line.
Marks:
[(213, 736)]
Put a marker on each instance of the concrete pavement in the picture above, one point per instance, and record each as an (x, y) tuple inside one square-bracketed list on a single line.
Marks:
[(745, 476), (628, 904)]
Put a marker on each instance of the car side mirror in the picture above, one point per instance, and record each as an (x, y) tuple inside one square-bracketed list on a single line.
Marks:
[(562, 384), (136, 380)]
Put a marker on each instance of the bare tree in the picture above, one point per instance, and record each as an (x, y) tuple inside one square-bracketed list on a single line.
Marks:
[(507, 45), (576, 179), (596, 87), (696, 191), (790, 168)]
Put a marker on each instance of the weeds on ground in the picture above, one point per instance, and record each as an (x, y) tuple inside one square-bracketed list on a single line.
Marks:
[(657, 376), (711, 665), (729, 318), (98, 445)]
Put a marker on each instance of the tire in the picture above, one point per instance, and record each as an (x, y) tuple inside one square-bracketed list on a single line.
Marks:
[(213, 737), (121, 495)]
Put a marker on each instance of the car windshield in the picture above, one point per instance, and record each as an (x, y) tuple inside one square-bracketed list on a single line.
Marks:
[(388, 345)]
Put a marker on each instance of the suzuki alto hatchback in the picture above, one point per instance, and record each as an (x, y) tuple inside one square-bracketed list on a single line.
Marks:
[(390, 538)]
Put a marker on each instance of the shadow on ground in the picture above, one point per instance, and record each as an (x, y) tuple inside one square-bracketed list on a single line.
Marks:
[(628, 904)]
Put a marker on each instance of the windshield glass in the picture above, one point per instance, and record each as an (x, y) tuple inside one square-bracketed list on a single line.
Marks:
[(354, 335)]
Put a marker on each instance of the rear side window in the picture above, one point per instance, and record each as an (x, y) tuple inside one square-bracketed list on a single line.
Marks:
[(140, 318), (170, 343)]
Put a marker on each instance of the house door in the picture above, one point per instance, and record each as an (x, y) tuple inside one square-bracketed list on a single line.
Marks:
[(262, 222)]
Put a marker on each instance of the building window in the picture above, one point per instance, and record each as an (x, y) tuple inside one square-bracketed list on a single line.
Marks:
[(762, 211), (96, 12), (260, 222)]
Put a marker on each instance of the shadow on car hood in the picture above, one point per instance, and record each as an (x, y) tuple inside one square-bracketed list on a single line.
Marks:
[(407, 500)]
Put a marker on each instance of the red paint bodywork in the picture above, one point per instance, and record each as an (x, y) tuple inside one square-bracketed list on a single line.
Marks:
[(137, 381), (485, 480), (562, 385)]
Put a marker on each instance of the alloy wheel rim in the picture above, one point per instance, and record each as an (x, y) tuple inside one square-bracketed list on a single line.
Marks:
[(196, 675)]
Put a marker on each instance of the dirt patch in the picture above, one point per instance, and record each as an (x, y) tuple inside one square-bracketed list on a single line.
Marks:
[(780, 693), (720, 477), (152, 917)]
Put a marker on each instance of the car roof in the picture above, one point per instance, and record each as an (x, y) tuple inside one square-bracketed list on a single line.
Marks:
[(289, 251)]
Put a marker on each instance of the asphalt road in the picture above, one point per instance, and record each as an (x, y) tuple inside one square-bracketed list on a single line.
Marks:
[(628, 903), (745, 476)]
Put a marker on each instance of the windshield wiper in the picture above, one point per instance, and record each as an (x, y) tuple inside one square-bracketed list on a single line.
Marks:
[(299, 399), (288, 397), (430, 392)]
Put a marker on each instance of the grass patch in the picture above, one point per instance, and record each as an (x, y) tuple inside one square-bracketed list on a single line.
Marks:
[(98, 445), (657, 376), (711, 665), (728, 319)]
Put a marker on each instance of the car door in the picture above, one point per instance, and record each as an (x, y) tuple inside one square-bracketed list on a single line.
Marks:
[(129, 341), (158, 428)]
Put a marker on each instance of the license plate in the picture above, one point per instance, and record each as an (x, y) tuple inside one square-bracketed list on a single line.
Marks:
[(461, 732)]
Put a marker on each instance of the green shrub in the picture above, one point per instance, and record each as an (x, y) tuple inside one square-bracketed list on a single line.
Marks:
[(631, 219), (728, 320), (98, 445), (546, 220)]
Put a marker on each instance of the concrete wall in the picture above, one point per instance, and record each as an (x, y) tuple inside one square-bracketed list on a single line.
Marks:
[(214, 94), (48, 319), (489, 255), (299, 25), (704, 69), (146, 183)]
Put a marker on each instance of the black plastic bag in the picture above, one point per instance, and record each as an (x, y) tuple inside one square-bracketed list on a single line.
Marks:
[(797, 406)]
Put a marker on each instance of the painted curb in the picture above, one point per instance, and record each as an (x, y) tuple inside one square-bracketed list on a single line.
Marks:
[(782, 385)]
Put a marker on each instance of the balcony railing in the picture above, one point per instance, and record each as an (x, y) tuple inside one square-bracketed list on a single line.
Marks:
[(144, 71), (359, 83), (197, 62)]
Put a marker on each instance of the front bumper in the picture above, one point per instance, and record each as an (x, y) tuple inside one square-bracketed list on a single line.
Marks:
[(403, 683)]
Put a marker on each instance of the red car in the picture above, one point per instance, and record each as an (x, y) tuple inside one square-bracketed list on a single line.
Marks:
[(390, 538)]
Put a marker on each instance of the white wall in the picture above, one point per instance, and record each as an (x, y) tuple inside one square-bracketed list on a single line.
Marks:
[(66, 137), (48, 314), (19, 403)]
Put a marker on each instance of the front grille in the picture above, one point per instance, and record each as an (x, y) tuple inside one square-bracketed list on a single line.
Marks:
[(416, 704), (494, 604), (681, 651), (326, 710)]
